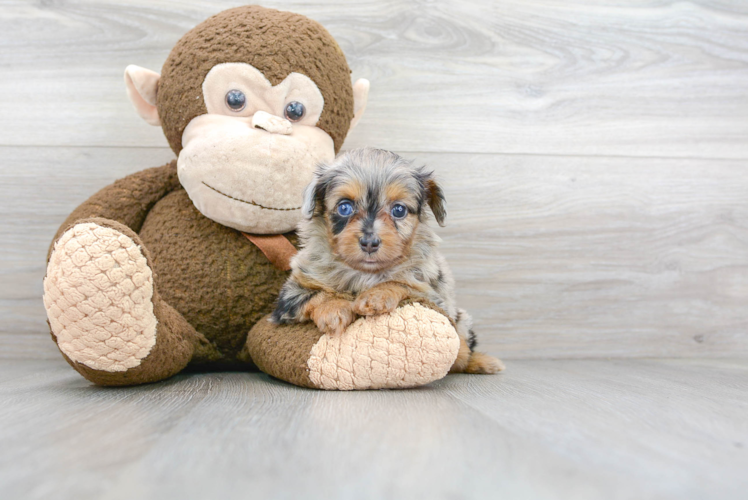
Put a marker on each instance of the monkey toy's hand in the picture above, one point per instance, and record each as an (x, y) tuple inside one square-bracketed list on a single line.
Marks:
[(380, 299), (333, 315)]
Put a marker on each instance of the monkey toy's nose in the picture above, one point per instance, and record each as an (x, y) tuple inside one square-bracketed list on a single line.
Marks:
[(271, 123), (369, 243)]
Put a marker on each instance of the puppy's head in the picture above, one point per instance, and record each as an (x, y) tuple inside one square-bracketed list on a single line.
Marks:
[(371, 202)]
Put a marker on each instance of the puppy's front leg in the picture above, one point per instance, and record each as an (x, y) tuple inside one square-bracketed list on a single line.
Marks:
[(330, 313), (380, 299)]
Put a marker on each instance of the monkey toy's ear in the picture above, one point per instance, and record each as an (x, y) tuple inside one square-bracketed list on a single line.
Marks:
[(142, 86), (360, 97)]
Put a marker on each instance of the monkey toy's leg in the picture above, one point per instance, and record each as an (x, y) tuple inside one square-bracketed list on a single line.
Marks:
[(103, 309), (413, 345), (385, 297)]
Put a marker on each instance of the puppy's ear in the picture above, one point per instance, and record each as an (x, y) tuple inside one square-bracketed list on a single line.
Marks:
[(309, 205), (433, 195), (314, 195)]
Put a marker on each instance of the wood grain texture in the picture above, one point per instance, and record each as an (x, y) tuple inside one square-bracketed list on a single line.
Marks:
[(640, 78), (593, 156), (577, 257), (554, 256), (543, 430), (39, 187)]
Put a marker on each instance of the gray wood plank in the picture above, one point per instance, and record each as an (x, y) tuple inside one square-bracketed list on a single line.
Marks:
[(65, 437), (637, 78), (580, 257), (541, 430), (661, 423), (17, 368), (39, 187), (554, 256)]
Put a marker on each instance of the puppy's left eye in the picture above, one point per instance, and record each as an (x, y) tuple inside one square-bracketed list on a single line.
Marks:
[(345, 209), (399, 211)]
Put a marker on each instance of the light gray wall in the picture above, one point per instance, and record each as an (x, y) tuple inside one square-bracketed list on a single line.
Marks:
[(593, 154)]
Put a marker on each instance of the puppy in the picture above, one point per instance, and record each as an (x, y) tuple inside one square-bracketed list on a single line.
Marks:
[(366, 247)]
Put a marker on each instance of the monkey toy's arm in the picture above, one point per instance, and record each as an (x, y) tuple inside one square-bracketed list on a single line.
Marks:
[(126, 201), (99, 291)]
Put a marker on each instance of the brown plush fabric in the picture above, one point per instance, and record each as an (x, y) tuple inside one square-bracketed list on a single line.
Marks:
[(170, 355), (176, 339), (210, 273), (211, 285), (221, 283), (283, 350), (127, 201), (276, 43)]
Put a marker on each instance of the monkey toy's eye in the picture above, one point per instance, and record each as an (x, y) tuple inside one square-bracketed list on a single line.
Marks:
[(294, 111), (236, 100), (399, 211), (345, 208)]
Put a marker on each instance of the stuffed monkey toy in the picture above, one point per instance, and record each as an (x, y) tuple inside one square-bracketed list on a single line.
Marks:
[(179, 266)]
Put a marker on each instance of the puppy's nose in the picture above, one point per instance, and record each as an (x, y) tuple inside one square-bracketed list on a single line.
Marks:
[(369, 243)]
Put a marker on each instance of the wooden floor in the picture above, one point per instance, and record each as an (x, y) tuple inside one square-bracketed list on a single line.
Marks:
[(555, 429), (594, 156)]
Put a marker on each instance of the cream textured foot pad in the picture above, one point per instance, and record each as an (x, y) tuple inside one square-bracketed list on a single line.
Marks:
[(98, 294), (412, 346)]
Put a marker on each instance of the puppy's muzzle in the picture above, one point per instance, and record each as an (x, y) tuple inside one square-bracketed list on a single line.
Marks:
[(369, 243)]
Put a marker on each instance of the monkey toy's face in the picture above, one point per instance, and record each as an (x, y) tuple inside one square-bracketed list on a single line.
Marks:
[(246, 162), (251, 100)]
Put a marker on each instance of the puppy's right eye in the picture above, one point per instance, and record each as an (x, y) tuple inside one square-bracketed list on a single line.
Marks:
[(345, 208)]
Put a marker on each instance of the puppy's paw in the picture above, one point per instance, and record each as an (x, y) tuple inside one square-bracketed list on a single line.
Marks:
[(483, 363), (334, 316), (379, 300)]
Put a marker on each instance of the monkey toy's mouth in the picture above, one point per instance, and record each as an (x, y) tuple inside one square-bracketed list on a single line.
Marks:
[(246, 178), (248, 202)]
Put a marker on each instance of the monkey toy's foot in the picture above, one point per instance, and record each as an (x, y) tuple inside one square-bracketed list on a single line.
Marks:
[(411, 346), (103, 309)]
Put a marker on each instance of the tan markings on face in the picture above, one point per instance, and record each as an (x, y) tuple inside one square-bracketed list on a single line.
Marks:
[(352, 190), (391, 248), (396, 237), (403, 229), (397, 192), (345, 244)]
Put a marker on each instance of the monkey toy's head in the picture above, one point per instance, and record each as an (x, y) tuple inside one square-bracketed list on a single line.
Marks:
[(251, 100)]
